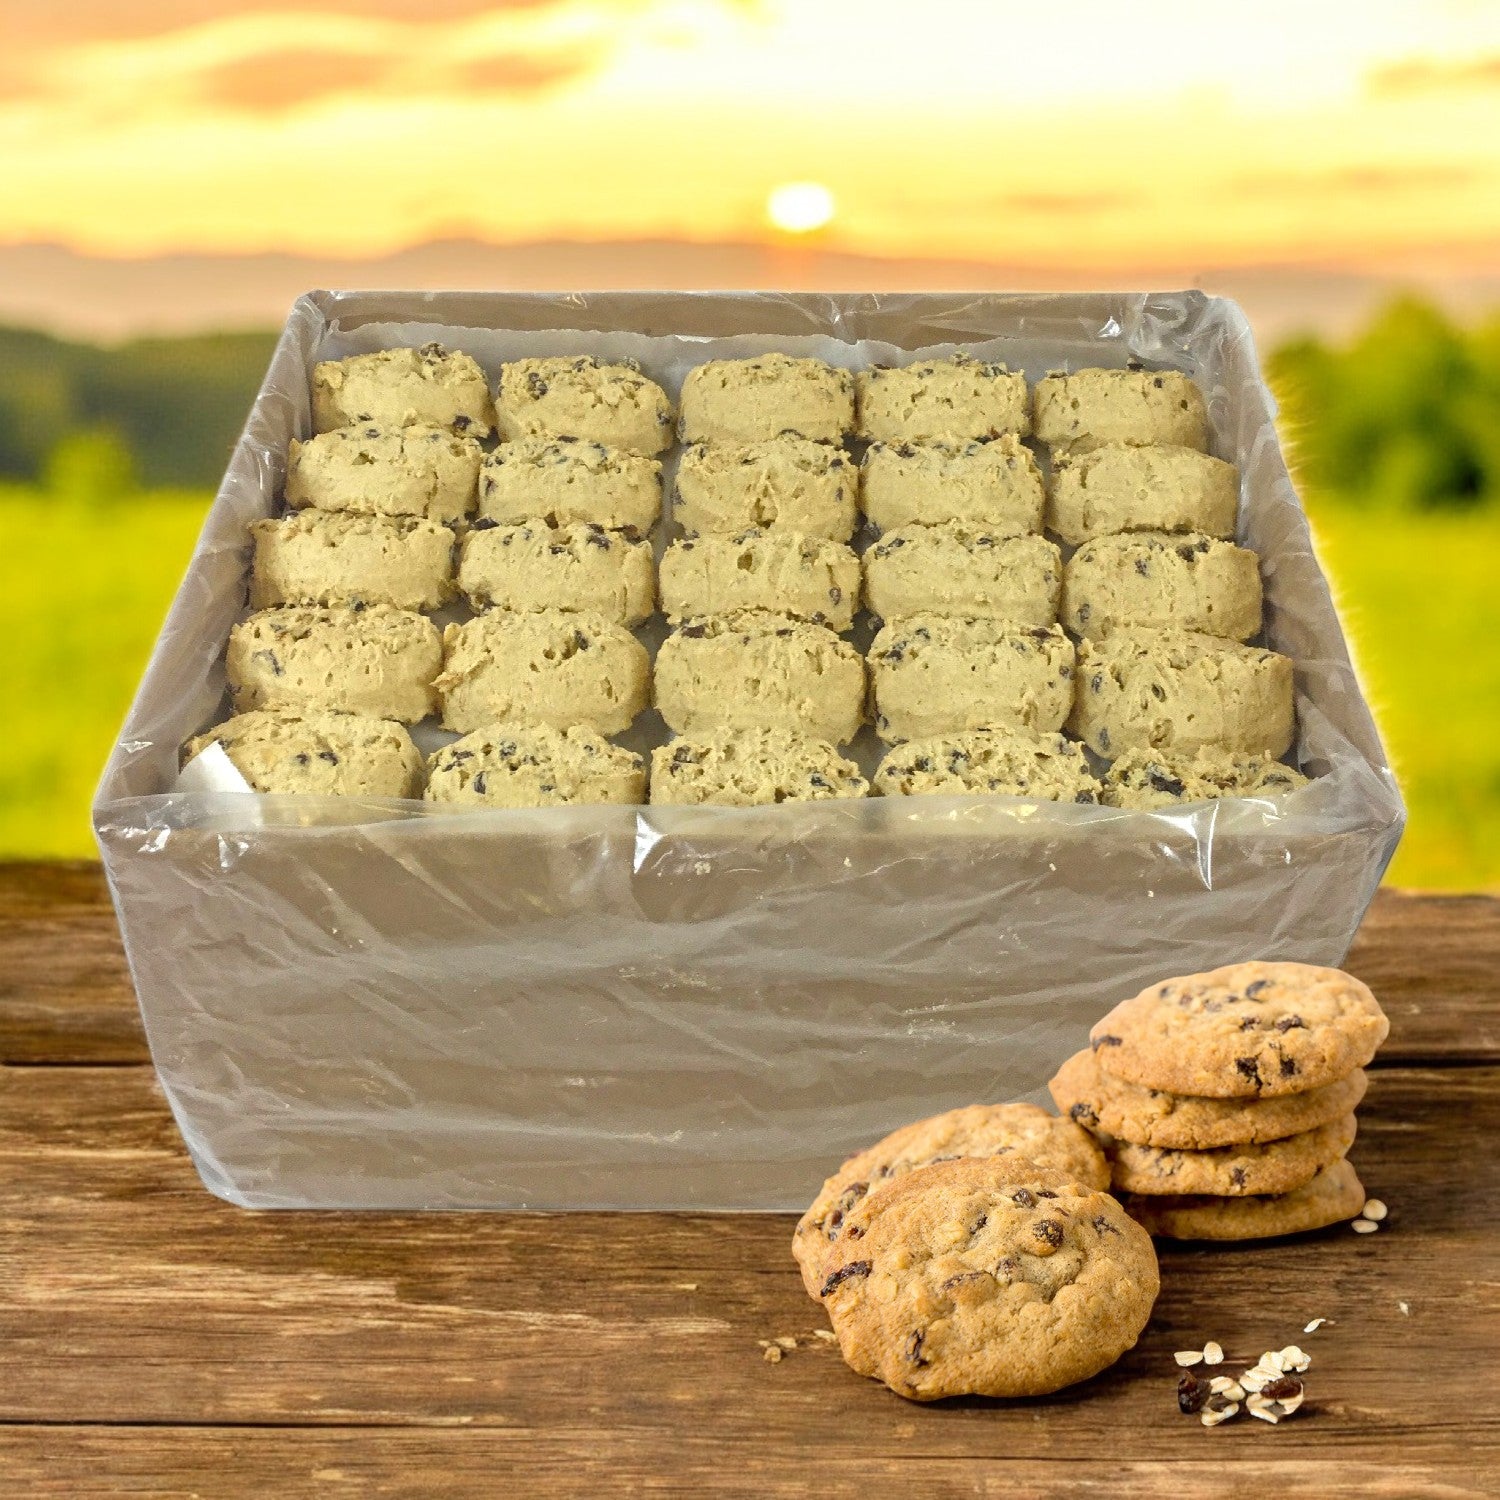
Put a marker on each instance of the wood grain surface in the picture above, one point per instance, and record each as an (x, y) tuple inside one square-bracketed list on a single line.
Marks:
[(155, 1341)]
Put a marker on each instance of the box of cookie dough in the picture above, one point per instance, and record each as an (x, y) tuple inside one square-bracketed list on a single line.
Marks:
[(399, 1001)]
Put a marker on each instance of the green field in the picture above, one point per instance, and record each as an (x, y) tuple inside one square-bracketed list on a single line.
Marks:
[(85, 586)]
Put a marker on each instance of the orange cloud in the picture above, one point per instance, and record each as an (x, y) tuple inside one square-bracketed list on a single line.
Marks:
[(519, 73), (1425, 75), (273, 81), (1358, 179)]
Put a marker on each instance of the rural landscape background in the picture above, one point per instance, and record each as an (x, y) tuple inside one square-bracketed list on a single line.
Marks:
[(178, 170)]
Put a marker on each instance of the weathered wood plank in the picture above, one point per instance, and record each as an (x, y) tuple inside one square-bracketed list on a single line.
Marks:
[(127, 1295), (65, 994), (167, 1463)]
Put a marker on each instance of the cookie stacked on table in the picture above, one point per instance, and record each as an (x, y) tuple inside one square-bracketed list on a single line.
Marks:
[(978, 1252), (1225, 1101)]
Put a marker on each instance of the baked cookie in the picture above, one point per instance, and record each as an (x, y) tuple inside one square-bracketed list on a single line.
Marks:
[(578, 566), (968, 1279), (1150, 578), (750, 768), (537, 479), (960, 397), (430, 386), (1231, 1171), (1179, 690), (1091, 407), (1183, 1122), (385, 471), (1025, 1134), (772, 395), (1334, 1195), (782, 484), (1243, 1031), (933, 676), (373, 660), (1118, 487), (543, 667), (1168, 778), (578, 396), (990, 763), (959, 568), (534, 765), (759, 670), (994, 485), (807, 577), (324, 557), (317, 754)]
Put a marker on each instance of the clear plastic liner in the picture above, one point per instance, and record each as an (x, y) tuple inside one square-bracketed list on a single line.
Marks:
[(381, 1004)]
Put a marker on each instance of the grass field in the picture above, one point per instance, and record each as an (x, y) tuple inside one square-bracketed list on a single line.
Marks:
[(1417, 594)]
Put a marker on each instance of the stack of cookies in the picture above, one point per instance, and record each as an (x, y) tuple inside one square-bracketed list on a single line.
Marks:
[(526, 514), (978, 1253), (1225, 1101)]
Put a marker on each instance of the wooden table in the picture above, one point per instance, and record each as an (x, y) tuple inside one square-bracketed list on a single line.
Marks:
[(155, 1341)]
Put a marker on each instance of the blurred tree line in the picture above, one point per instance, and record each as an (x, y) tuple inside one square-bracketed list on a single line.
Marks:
[(152, 412), (1407, 414)]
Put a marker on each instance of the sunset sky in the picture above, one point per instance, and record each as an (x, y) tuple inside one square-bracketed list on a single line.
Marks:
[(1081, 133)]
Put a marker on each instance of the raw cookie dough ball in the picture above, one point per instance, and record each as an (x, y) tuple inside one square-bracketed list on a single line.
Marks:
[(956, 398), (376, 661), (326, 754), (543, 667), (772, 395), (578, 396), (534, 765), (385, 471), (323, 557), (403, 388), (750, 768)]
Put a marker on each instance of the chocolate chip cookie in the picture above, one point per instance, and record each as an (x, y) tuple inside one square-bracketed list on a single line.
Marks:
[(1333, 1195), (1019, 1132), (1231, 1171), (1243, 1031), (966, 1279), (1110, 1106)]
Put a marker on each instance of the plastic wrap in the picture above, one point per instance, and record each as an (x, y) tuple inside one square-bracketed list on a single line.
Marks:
[(386, 1005)]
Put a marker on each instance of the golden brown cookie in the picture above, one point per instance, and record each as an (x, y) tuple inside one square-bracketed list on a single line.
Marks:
[(961, 1279), (1333, 1195), (1243, 1031), (1231, 1171), (1022, 1132), (1110, 1106)]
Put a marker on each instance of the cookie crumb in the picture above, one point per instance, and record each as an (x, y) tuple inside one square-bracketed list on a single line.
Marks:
[(1405, 1310), (1188, 1357), (772, 1355), (826, 1334), (1213, 1354), (786, 1341), (1317, 1323), (1375, 1209), (686, 1286), (1365, 1226)]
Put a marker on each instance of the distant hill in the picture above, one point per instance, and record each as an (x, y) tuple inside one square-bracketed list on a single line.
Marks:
[(49, 286), (178, 403)]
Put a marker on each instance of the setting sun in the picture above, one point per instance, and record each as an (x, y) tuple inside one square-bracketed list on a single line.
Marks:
[(800, 207)]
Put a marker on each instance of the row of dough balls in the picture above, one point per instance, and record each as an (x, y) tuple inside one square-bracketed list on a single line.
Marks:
[(927, 674), (1195, 581), (515, 764), (747, 400)]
